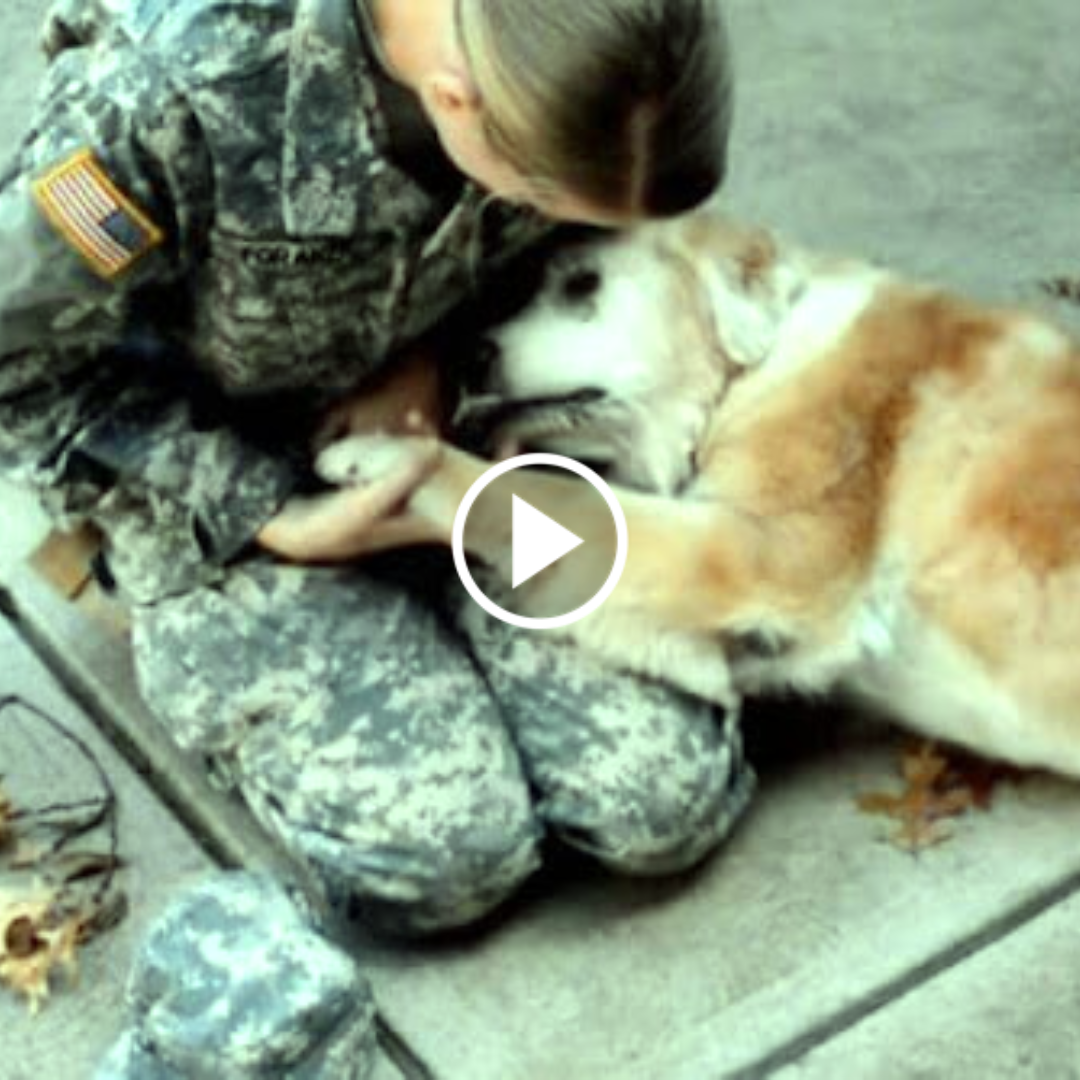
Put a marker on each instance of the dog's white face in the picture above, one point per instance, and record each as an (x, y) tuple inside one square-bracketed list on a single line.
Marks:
[(629, 344), (610, 362), (597, 321)]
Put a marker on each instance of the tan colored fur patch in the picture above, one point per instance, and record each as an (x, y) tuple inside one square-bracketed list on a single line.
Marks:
[(903, 483)]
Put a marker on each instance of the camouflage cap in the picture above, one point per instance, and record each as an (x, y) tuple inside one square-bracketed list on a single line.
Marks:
[(234, 983)]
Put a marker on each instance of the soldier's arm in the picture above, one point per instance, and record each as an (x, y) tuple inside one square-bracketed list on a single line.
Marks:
[(100, 435)]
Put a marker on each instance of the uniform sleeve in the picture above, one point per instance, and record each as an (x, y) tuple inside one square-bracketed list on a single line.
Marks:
[(84, 420)]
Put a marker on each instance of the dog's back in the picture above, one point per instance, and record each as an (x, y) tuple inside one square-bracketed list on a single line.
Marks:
[(925, 468), (987, 509), (885, 492)]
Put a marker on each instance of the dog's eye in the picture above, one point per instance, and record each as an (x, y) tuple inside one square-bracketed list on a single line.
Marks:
[(580, 285)]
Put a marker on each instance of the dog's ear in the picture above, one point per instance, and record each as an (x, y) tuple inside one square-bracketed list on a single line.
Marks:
[(745, 320), (744, 288)]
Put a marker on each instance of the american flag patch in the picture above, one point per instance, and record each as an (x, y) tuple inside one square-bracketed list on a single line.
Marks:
[(94, 215)]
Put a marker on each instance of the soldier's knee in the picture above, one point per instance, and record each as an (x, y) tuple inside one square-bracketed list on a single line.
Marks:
[(461, 888), (404, 884), (666, 823)]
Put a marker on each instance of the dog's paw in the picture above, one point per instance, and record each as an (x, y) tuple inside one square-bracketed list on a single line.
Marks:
[(366, 459)]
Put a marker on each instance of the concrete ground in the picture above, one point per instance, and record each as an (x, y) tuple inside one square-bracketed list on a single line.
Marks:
[(942, 137), (69, 1036)]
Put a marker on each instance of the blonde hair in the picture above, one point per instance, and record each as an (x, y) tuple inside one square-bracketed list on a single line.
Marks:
[(625, 103)]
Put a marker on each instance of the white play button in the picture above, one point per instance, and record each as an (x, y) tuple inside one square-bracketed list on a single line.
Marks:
[(593, 563), (538, 541)]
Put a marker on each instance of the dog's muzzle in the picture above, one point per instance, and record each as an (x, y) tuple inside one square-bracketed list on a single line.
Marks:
[(482, 419)]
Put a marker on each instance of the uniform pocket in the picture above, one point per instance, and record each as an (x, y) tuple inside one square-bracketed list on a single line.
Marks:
[(284, 313)]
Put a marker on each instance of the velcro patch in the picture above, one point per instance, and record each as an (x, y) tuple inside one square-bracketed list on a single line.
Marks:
[(89, 211)]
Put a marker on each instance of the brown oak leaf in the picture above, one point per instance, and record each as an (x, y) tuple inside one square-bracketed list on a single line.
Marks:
[(936, 789)]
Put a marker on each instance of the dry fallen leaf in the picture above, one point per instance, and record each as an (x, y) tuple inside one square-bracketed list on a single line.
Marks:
[(35, 941), (936, 788), (55, 897), (982, 776), (24, 952)]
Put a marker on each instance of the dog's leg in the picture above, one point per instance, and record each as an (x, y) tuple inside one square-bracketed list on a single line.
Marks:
[(693, 569), (692, 566), (695, 663)]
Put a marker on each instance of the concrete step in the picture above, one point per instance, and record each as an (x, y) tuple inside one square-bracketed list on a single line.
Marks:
[(1008, 1012), (808, 922), (67, 1038), (805, 924), (160, 853)]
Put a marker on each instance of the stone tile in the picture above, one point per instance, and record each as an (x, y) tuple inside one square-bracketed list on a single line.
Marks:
[(931, 137), (806, 920), (1005, 1013)]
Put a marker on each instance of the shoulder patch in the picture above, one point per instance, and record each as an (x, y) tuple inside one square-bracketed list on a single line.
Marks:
[(93, 215)]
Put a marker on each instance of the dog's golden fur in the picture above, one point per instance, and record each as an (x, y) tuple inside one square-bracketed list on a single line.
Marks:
[(888, 496)]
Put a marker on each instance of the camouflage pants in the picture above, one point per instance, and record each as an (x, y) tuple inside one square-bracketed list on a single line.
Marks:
[(418, 767)]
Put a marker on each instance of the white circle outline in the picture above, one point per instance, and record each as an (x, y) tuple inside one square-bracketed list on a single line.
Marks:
[(552, 622)]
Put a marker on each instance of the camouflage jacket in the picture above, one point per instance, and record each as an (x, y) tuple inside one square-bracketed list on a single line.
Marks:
[(240, 156)]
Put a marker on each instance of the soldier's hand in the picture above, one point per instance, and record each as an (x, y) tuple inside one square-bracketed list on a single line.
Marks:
[(351, 522), (405, 401)]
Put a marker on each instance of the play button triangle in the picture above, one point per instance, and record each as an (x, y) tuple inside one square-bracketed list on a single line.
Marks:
[(537, 541)]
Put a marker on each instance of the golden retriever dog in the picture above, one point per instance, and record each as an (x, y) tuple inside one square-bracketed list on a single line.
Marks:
[(859, 484)]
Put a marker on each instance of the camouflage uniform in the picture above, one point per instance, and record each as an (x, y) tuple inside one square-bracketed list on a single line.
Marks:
[(263, 994), (303, 243)]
